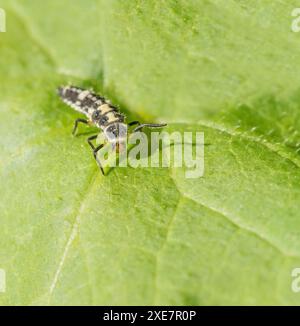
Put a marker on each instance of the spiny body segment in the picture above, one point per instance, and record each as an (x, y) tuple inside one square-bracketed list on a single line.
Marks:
[(101, 113), (94, 106)]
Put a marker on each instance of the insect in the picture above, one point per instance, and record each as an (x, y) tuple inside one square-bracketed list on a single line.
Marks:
[(102, 114)]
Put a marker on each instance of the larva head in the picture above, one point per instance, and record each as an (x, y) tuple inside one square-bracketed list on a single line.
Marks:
[(116, 132)]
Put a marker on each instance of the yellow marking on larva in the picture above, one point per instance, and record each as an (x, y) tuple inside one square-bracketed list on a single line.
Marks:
[(104, 108), (111, 117), (82, 95), (64, 89), (90, 111)]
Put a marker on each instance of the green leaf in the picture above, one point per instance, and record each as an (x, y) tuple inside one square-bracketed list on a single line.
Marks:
[(149, 235)]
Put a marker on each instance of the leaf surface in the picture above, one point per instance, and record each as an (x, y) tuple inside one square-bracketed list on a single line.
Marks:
[(149, 235)]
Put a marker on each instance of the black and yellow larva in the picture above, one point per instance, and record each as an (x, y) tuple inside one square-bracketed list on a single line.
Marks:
[(101, 113)]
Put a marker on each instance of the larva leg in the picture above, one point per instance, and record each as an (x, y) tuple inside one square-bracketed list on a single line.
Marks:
[(76, 125), (149, 125), (96, 158), (95, 150)]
